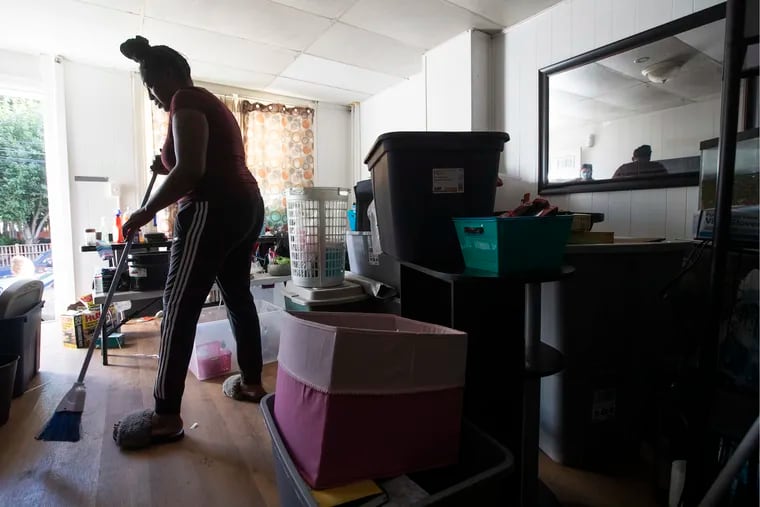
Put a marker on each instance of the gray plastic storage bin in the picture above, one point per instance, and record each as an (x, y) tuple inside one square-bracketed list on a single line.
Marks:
[(478, 479), (362, 261)]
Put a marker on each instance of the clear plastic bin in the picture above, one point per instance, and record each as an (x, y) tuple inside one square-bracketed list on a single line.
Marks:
[(214, 340)]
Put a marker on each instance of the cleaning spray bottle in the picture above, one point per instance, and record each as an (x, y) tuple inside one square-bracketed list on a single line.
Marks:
[(118, 234)]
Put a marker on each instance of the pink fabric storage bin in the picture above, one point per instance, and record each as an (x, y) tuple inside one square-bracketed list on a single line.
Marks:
[(368, 395)]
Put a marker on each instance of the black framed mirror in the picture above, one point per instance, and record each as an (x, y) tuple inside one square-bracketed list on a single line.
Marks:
[(632, 114)]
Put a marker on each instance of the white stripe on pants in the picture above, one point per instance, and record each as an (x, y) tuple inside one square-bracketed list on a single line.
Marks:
[(179, 284)]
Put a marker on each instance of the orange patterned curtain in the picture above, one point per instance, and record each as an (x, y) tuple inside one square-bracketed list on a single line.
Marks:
[(279, 145)]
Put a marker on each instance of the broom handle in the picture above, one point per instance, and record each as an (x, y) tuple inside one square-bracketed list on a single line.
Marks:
[(112, 289)]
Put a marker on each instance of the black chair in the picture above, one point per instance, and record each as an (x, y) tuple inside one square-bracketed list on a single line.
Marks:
[(20, 328)]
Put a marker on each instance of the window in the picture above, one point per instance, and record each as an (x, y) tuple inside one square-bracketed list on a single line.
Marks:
[(279, 145)]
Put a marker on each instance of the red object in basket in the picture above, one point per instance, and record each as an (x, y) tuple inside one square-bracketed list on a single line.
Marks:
[(539, 207)]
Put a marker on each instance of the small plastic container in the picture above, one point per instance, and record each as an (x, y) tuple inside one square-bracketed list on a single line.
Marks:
[(351, 216), (90, 237), (362, 261), (211, 360), (511, 245)]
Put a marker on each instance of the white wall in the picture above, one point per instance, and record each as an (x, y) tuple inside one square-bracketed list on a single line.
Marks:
[(400, 107), (20, 72), (564, 30), (457, 83), (100, 123), (453, 93), (333, 149), (449, 85)]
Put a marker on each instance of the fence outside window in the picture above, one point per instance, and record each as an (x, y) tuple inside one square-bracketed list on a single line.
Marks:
[(7, 252)]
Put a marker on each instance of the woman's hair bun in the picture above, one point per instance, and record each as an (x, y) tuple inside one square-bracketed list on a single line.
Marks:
[(136, 48)]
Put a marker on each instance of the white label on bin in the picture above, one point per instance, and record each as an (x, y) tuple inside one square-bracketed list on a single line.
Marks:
[(449, 180), (138, 272)]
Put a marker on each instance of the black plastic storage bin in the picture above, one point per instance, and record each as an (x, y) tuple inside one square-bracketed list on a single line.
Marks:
[(21, 336), (478, 479), (363, 195), (421, 180)]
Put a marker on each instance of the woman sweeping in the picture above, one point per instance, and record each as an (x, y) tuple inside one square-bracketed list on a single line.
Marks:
[(219, 218)]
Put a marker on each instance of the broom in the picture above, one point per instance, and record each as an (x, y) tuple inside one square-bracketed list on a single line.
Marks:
[(64, 425)]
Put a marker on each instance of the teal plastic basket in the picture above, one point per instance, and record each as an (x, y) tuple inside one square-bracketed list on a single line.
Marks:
[(513, 245)]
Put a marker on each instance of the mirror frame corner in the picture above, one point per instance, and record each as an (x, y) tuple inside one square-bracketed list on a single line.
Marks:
[(690, 22)]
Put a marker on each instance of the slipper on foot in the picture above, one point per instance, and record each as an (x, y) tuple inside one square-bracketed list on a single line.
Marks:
[(134, 431), (233, 388)]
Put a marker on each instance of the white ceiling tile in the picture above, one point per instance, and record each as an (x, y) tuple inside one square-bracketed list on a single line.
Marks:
[(699, 78), (708, 39), (225, 50), (293, 87), (66, 28), (368, 50), (503, 12), (133, 6), (340, 75), (220, 74), (258, 20), (590, 80), (328, 8), (664, 49), (422, 23)]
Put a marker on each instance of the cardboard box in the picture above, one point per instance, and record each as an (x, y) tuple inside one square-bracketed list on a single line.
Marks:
[(78, 326)]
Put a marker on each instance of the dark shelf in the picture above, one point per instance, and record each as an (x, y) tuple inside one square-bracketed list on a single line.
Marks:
[(477, 275), (545, 363)]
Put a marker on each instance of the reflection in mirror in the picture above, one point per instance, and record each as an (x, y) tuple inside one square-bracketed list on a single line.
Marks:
[(637, 114)]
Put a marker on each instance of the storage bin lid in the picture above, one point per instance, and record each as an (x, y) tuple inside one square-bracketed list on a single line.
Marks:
[(435, 141), (344, 291)]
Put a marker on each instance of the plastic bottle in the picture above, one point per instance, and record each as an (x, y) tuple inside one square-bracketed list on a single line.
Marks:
[(98, 282), (119, 235)]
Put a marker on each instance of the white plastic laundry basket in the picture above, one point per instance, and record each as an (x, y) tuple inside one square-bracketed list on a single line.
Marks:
[(317, 228)]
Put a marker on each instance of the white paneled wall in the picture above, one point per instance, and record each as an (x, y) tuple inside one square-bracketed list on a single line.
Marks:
[(453, 93), (449, 85), (401, 107), (333, 156), (562, 31), (672, 133)]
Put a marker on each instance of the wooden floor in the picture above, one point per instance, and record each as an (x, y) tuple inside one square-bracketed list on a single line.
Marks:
[(226, 460)]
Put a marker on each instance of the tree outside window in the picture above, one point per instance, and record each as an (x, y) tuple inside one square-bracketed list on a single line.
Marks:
[(23, 188)]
